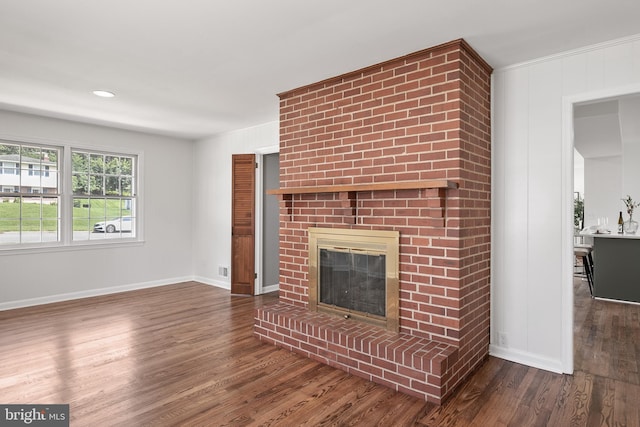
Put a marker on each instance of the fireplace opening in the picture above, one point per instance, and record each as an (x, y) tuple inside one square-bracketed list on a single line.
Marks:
[(354, 274), (354, 281)]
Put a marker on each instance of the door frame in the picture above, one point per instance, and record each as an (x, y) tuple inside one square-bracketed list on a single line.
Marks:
[(258, 284), (568, 103)]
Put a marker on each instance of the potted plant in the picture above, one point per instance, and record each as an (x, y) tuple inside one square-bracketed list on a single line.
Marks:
[(630, 226)]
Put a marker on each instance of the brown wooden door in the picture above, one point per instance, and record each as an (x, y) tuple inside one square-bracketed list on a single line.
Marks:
[(243, 224)]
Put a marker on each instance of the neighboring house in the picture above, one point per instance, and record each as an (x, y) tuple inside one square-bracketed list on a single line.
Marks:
[(20, 174)]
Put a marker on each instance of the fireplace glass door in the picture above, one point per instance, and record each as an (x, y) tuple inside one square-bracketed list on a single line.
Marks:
[(354, 274), (353, 281)]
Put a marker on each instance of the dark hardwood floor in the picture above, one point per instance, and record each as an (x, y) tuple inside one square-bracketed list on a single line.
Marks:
[(184, 355)]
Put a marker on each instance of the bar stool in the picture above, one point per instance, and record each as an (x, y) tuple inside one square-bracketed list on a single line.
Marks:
[(584, 251)]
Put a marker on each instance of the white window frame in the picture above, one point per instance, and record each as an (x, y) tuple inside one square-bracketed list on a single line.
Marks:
[(132, 235), (65, 190)]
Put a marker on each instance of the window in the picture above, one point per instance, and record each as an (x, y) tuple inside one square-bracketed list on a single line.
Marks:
[(27, 215), (104, 195), (9, 168), (97, 192), (35, 170)]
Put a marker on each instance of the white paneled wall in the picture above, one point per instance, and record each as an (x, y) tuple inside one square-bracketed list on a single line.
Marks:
[(533, 192), (212, 194)]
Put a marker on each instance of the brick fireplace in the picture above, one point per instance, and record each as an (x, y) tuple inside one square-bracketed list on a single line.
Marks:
[(403, 146)]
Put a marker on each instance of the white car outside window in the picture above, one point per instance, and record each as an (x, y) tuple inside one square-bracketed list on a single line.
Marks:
[(115, 225)]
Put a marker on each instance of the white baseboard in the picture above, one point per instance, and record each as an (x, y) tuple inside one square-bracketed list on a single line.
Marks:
[(213, 282), (227, 285), (525, 358), (90, 293), (116, 289), (271, 288)]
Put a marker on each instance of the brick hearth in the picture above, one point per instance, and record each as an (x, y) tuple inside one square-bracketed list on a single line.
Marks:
[(419, 118)]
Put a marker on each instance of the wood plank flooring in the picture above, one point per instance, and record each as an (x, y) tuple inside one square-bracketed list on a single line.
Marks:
[(184, 355)]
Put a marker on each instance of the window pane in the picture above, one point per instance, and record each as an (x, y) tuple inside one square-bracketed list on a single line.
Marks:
[(31, 216), (103, 214), (50, 182), (112, 208), (82, 225), (112, 185), (9, 163), (31, 155), (97, 164), (112, 165), (80, 212), (50, 237), (9, 231), (49, 156), (82, 228), (127, 186), (80, 184), (97, 209), (96, 185), (31, 209), (50, 220), (126, 206), (115, 227), (10, 208), (126, 165), (40, 219), (9, 220), (107, 219), (80, 162), (10, 169), (9, 149)]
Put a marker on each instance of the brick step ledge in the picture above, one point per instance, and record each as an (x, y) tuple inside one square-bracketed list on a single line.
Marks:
[(406, 363)]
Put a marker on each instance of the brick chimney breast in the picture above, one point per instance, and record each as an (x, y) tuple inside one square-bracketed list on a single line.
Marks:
[(423, 117)]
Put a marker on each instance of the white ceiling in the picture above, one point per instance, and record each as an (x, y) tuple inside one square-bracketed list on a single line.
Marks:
[(596, 129), (602, 128), (194, 68)]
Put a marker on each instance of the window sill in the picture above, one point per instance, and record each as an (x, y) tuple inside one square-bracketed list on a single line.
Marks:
[(75, 246)]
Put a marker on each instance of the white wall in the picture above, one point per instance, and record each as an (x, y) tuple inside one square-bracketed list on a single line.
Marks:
[(630, 136), (603, 190), (28, 278), (212, 196), (533, 194), (578, 173)]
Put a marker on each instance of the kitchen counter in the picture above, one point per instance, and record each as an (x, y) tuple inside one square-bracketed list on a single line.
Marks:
[(611, 235), (616, 259)]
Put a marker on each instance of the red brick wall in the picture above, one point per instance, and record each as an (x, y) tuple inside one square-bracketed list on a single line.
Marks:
[(420, 117)]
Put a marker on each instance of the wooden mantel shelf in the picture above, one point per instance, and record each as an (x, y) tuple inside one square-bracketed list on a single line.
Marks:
[(401, 185)]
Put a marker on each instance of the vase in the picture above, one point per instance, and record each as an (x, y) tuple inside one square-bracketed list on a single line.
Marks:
[(630, 226)]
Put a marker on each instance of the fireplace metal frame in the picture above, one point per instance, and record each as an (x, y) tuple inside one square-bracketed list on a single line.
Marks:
[(362, 241)]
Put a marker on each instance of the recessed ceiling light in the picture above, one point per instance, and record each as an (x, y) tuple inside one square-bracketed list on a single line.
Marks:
[(104, 93)]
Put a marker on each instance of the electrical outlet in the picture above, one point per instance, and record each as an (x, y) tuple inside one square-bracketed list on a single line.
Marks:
[(223, 271), (502, 339)]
